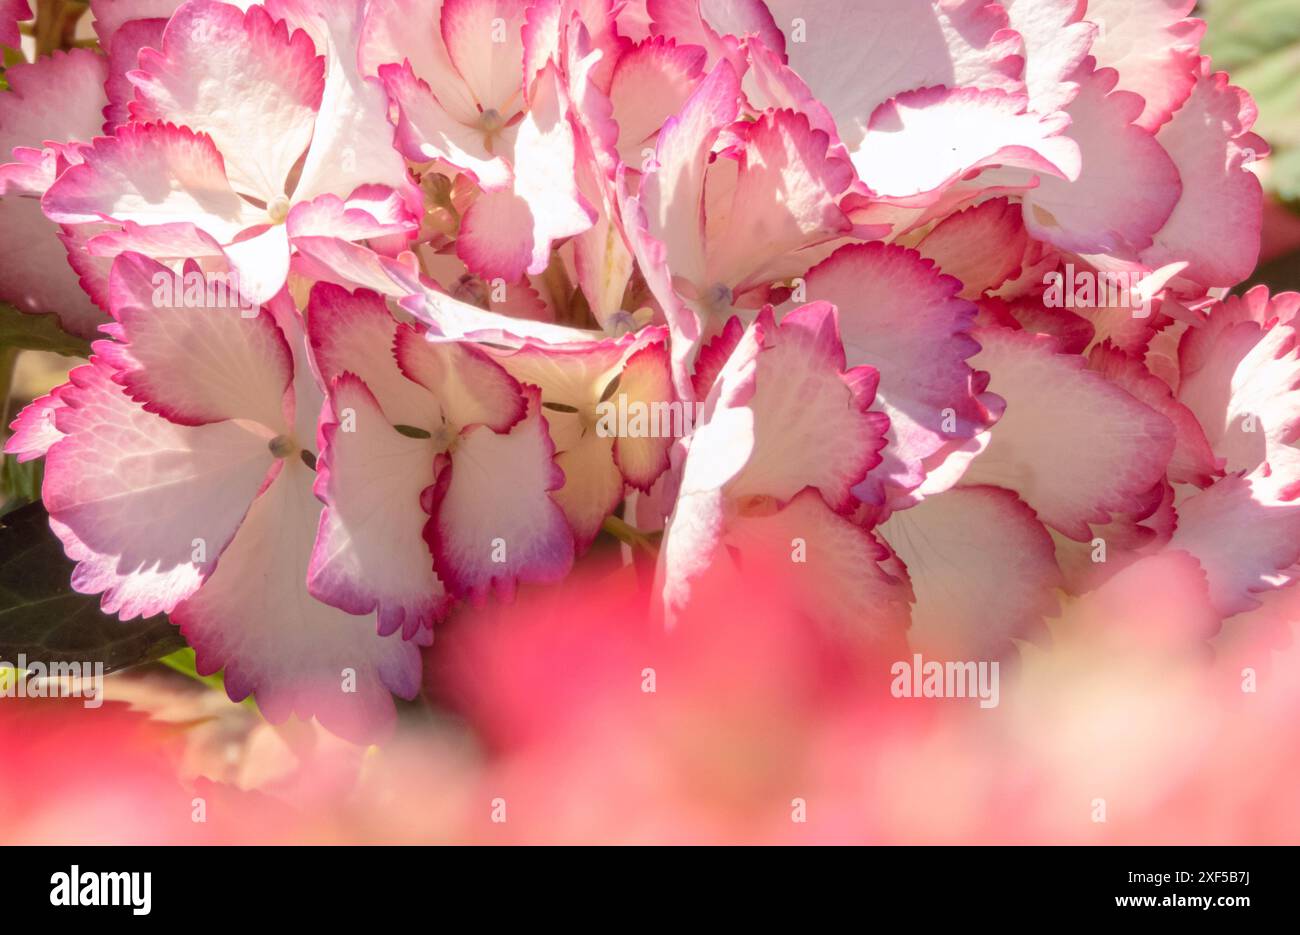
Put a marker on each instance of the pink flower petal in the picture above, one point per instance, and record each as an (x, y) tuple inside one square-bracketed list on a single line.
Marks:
[(152, 174), (650, 83), (484, 42), (426, 130), (1066, 442), (1127, 187), (983, 246), (59, 99), (190, 352), (982, 567), (1240, 376), (143, 505), (922, 141), (1210, 143), (899, 315), (1244, 531), (1057, 41), (255, 620), (352, 139), (1154, 47), (470, 387), (370, 553), (242, 79), (494, 522), (857, 54)]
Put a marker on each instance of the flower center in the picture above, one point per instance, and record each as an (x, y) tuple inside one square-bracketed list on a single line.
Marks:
[(278, 209), (444, 437), (490, 122), (282, 446)]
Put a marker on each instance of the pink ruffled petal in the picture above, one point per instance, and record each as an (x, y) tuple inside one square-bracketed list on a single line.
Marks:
[(1245, 531), (426, 130), (242, 79), (34, 430), (36, 275), (59, 99), (813, 562), (152, 174), (1155, 47), (145, 506), (811, 423), (983, 246), (1127, 187), (190, 351), (899, 315), (470, 387), (355, 333), (853, 65), (1057, 41), (650, 83), (983, 570), (485, 44), (786, 198), (113, 15), (1240, 376), (921, 142), (255, 620), (1216, 224), (388, 39), (370, 554), (507, 233), (1193, 460), (352, 138), (123, 58), (494, 523), (1066, 442)]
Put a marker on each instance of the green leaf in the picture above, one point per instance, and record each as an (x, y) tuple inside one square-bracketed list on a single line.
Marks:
[(1258, 43), (20, 484), (43, 618), (38, 333)]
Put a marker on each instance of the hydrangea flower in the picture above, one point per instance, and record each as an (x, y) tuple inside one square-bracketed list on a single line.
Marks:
[(942, 286)]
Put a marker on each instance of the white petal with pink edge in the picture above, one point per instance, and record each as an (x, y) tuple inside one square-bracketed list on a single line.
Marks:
[(152, 174), (370, 553), (811, 427), (145, 506), (494, 522), (922, 141), (255, 620), (189, 352), (853, 65), (982, 568), (1210, 143), (1072, 445), (900, 315), (1155, 47), (1127, 186), (242, 79), (1245, 531)]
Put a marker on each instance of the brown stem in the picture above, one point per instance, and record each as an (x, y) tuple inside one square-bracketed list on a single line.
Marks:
[(56, 24)]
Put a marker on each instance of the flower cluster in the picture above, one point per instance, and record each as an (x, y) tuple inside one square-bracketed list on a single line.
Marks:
[(914, 306)]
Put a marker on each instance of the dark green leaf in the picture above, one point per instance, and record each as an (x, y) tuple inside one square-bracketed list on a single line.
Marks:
[(1280, 274), (43, 618), (38, 333)]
